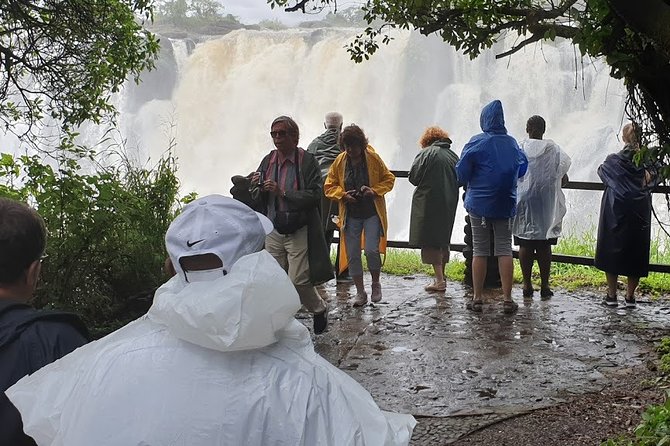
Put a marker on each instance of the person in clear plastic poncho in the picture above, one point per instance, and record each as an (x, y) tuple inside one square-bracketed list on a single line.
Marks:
[(540, 205), (218, 360)]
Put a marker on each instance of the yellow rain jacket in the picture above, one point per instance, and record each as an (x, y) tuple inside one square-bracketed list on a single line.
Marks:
[(381, 181)]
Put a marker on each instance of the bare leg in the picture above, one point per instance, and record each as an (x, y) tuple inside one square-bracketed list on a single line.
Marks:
[(611, 284), (544, 262), (526, 259), (633, 282), (439, 273), (478, 275), (506, 267)]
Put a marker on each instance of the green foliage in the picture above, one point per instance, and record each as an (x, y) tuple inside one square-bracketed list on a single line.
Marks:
[(63, 60), (654, 430), (194, 14), (663, 347), (105, 245), (402, 262)]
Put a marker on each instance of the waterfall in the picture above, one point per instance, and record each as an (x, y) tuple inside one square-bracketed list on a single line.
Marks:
[(229, 89)]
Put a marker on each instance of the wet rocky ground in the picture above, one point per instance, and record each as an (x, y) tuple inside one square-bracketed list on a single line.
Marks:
[(457, 371)]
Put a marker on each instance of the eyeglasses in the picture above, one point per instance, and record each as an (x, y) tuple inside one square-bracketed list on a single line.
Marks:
[(278, 134)]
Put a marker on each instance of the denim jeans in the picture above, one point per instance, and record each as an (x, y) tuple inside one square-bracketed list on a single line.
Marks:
[(372, 227)]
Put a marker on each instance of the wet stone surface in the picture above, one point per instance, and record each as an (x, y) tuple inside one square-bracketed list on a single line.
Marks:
[(457, 371)]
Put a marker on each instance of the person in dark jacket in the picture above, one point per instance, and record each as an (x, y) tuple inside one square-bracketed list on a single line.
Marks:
[(434, 201), (29, 339), (624, 227), (490, 165), (291, 193), (325, 149)]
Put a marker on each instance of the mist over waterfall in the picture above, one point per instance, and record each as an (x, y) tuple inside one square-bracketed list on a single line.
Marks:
[(217, 99)]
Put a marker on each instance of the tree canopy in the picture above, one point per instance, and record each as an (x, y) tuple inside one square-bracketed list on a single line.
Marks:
[(633, 38), (63, 59)]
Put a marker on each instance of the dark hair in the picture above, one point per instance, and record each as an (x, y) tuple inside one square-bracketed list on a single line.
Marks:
[(536, 124), (353, 136), (291, 125), (22, 239)]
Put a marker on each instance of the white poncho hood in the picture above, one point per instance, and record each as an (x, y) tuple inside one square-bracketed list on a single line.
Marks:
[(212, 363), (242, 310)]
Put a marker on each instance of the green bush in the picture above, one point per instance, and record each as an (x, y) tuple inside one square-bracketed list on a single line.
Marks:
[(105, 247)]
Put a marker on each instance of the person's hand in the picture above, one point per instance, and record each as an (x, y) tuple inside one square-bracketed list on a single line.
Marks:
[(367, 191), (564, 180), (349, 197), (271, 186), (255, 176)]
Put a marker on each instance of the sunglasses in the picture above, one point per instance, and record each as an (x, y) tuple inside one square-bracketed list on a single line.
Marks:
[(278, 134)]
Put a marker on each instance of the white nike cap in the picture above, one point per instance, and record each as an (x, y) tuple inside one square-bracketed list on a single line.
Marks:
[(216, 225)]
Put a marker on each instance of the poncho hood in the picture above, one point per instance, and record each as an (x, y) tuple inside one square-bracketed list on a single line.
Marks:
[(240, 311), (492, 119)]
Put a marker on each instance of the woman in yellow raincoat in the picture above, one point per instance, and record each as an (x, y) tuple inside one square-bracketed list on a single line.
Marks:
[(358, 179)]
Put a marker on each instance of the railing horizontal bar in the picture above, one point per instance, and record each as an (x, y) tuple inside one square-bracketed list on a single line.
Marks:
[(579, 185)]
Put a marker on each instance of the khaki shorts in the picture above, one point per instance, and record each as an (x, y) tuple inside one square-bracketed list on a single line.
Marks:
[(485, 230)]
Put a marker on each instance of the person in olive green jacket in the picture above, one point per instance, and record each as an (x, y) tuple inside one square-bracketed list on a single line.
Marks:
[(434, 202)]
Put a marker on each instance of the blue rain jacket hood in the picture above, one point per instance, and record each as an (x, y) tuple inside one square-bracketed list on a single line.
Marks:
[(490, 164)]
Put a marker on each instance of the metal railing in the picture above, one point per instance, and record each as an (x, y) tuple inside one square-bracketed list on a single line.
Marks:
[(560, 258)]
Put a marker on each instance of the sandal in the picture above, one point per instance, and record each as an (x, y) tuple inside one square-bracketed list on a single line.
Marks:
[(510, 307), (474, 305), (436, 287)]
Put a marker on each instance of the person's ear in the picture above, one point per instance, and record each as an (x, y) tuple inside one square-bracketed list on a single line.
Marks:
[(33, 274), (168, 268)]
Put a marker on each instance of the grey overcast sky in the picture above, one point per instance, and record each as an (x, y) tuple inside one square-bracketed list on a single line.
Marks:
[(253, 11)]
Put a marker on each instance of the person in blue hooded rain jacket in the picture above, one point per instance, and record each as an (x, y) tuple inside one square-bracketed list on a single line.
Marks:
[(490, 165)]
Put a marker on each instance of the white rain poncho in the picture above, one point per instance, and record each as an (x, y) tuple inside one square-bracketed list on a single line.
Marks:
[(212, 363), (540, 201)]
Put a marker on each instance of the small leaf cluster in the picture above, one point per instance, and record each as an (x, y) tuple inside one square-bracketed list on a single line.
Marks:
[(63, 60)]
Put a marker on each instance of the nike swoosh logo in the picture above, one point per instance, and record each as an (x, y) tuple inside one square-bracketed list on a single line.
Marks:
[(189, 244)]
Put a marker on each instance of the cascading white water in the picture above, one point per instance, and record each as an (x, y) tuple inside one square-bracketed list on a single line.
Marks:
[(229, 89)]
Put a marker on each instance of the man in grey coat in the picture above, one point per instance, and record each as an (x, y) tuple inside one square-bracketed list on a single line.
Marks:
[(325, 149)]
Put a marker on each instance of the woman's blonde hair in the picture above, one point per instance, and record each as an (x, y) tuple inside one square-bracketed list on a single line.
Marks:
[(432, 134), (631, 135)]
